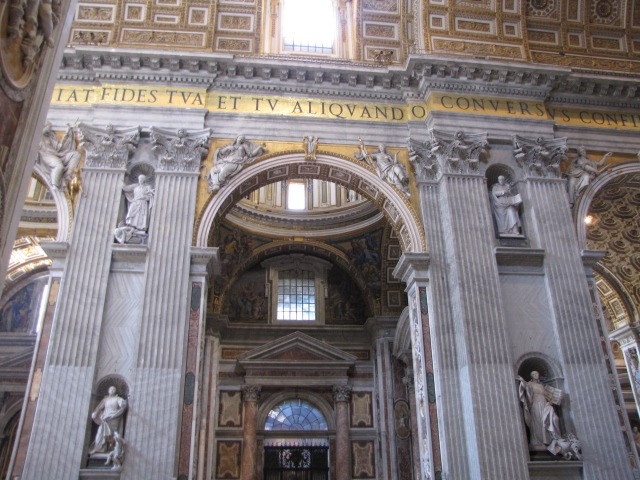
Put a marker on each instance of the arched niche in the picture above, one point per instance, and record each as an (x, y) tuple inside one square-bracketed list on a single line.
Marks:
[(341, 170)]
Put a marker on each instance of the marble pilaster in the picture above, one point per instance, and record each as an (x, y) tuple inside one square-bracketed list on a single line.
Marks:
[(341, 395), (161, 355), (383, 334), (56, 447), (586, 378), (250, 396)]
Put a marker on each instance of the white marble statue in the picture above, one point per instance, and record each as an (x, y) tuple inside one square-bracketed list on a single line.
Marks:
[(58, 157), (504, 204), (108, 416), (140, 198), (230, 159), (582, 171), (539, 414), (387, 167)]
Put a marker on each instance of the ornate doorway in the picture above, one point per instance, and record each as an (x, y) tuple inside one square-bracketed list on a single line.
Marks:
[(296, 463)]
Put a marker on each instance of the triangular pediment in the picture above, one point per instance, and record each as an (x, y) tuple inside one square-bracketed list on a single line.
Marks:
[(297, 346), (296, 356)]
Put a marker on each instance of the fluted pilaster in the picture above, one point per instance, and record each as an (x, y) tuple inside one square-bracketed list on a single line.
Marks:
[(586, 377), (492, 418), (64, 401), (163, 330)]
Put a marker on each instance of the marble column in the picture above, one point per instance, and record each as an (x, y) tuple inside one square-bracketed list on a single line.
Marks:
[(341, 395), (586, 377), (58, 439), (250, 396)]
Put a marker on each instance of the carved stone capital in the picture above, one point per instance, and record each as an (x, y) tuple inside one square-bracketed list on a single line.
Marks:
[(424, 158), (109, 148), (460, 152), (540, 158), (182, 151), (251, 393), (341, 393)]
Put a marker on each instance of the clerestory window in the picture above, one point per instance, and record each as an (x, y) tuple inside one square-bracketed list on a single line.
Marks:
[(308, 26), (297, 287)]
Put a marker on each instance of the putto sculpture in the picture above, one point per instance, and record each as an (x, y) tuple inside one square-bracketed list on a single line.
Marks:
[(230, 159), (387, 167)]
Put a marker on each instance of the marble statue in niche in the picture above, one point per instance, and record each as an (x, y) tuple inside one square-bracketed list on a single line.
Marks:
[(108, 443), (136, 222), (504, 203), (581, 172), (542, 420), (58, 157), (387, 167), (230, 159)]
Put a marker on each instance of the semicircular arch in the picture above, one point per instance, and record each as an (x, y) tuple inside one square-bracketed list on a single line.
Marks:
[(610, 175), (328, 166)]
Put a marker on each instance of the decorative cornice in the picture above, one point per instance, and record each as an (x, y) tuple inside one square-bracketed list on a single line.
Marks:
[(419, 75)]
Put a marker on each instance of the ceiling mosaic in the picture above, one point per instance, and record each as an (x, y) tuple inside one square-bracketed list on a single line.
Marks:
[(589, 34)]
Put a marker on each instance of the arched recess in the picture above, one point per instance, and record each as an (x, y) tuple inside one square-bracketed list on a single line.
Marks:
[(311, 247), (63, 205), (341, 170)]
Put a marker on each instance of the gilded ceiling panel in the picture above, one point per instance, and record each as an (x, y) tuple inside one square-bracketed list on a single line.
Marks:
[(617, 231), (588, 34)]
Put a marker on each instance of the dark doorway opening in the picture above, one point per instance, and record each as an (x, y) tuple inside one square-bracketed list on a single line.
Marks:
[(296, 463)]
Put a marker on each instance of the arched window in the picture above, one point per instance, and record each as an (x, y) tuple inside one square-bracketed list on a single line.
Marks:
[(295, 414)]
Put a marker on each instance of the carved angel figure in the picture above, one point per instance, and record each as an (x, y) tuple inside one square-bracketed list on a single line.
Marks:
[(108, 148), (58, 157), (183, 151), (540, 157), (461, 152), (230, 159), (387, 167), (423, 156), (582, 171), (310, 145)]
